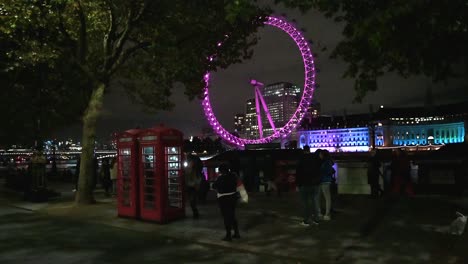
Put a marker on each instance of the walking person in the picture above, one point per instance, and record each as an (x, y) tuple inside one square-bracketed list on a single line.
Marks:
[(105, 174), (77, 173), (401, 173), (113, 176), (192, 184), (307, 181), (373, 174), (226, 186), (326, 174)]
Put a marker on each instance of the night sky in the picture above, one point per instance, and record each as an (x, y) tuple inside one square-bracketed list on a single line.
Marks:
[(276, 58)]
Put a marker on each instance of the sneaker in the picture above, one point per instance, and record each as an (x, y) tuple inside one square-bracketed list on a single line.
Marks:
[(227, 239), (314, 222), (304, 223), (326, 218)]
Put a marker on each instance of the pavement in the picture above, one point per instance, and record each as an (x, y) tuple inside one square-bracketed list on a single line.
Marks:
[(400, 230)]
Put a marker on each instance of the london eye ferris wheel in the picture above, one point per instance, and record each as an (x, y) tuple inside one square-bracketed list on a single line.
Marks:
[(306, 98)]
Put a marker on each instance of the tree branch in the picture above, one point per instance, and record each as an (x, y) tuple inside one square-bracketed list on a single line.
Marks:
[(141, 11), (126, 54), (83, 44), (116, 59), (110, 35), (63, 30)]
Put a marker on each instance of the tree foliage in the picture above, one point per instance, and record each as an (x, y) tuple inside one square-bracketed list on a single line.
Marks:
[(35, 97), (418, 37), (146, 44)]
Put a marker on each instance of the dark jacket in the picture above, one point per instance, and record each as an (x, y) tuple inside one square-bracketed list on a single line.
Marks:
[(373, 170), (225, 183), (308, 170), (326, 171)]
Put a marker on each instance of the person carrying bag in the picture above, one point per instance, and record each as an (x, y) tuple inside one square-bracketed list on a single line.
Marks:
[(226, 185)]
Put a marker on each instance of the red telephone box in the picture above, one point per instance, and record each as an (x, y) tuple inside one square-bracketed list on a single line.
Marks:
[(127, 174), (160, 174)]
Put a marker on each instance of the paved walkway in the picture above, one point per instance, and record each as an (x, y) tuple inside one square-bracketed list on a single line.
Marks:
[(362, 230)]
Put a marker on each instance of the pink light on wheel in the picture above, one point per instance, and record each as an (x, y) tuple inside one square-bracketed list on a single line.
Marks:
[(307, 94)]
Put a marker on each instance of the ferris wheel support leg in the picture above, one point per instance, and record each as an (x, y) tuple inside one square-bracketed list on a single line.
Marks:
[(259, 117)]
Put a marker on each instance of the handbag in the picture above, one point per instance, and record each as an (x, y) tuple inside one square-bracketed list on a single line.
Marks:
[(244, 197)]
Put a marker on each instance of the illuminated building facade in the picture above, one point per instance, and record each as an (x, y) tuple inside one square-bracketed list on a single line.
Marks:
[(239, 124), (342, 139), (388, 128), (251, 126), (282, 99)]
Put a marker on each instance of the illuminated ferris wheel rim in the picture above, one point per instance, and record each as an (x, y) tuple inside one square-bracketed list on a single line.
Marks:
[(307, 94)]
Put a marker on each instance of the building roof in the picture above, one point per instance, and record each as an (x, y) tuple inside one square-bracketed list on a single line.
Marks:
[(421, 111)]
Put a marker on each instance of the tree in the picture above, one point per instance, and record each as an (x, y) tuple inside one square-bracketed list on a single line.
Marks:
[(32, 108), (418, 37), (35, 99), (147, 45)]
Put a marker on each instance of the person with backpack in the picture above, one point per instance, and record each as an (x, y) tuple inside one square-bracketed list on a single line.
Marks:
[(308, 180), (326, 176)]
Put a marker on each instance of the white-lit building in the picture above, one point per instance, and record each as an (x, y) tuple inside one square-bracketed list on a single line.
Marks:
[(251, 123), (239, 124), (282, 99)]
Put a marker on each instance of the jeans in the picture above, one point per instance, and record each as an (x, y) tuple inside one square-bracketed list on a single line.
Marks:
[(325, 191), (309, 197), (114, 186), (192, 195), (227, 204)]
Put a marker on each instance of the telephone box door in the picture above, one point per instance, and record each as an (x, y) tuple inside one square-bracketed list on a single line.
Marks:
[(150, 180), (127, 174), (175, 182)]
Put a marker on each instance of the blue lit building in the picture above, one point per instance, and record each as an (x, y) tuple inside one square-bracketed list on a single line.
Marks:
[(387, 128), (435, 134), (341, 139)]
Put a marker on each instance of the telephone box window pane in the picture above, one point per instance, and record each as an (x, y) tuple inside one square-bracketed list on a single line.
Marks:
[(173, 165), (173, 158), (148, 150), (149, 174), (125, 151), (172, 150)]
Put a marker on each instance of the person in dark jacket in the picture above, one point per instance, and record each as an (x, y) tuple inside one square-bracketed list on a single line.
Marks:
[(308, 180), (373, 174), (226, 186), (193, 178), (326, 176), (401, 173), (77, 173), (106, 181)]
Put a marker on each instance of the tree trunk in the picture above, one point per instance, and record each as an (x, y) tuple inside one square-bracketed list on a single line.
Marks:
[(87, 177)]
